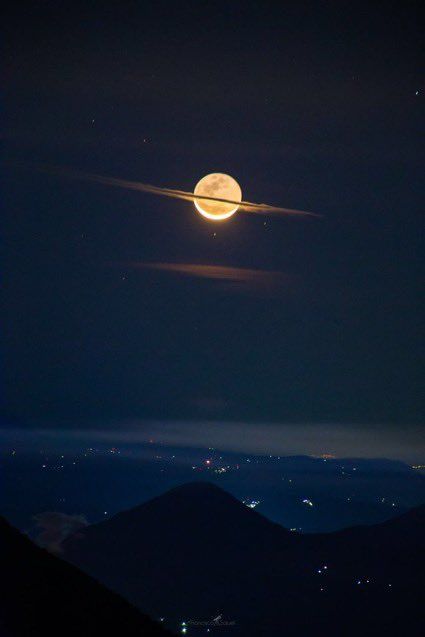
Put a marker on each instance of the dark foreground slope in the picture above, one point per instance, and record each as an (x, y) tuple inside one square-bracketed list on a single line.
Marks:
[(43, 595), (196, 552)]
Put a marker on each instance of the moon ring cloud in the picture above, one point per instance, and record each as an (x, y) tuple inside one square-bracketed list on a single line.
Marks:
[(247, 206)]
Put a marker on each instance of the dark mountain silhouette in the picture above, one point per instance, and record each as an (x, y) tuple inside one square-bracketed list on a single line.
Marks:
[(196, 552), (43, 595)]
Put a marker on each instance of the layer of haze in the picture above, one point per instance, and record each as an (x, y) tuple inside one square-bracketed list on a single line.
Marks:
[(340, 440)]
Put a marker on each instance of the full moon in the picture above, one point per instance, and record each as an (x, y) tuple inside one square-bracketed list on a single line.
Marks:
[(220, 186)]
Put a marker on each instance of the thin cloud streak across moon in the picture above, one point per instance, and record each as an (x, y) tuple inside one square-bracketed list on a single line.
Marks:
[(247, 206)]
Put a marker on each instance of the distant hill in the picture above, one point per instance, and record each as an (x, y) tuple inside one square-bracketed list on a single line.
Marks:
[(344, 492), (43, 595), (197, 552)]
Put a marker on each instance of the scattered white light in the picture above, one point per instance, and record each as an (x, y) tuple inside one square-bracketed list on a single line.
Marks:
[(251, 503)]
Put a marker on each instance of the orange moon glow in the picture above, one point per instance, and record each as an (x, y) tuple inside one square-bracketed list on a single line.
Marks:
[(219, 186)]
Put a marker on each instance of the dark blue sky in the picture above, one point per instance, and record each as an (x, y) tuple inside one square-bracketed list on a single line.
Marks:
[(317, 108)]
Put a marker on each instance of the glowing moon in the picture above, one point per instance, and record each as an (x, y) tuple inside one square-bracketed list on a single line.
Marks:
[(220, 186)]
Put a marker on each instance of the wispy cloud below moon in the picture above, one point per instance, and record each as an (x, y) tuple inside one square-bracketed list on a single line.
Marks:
[(247, 206), (266, 281)]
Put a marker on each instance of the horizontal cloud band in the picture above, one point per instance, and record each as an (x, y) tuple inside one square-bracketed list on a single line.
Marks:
[(170, 192)]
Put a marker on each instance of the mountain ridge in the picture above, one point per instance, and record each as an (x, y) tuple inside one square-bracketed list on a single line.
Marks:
[(196, 550), (44, 595)]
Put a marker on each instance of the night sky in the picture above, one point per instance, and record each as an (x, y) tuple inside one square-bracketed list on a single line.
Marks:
[(312, 107)]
